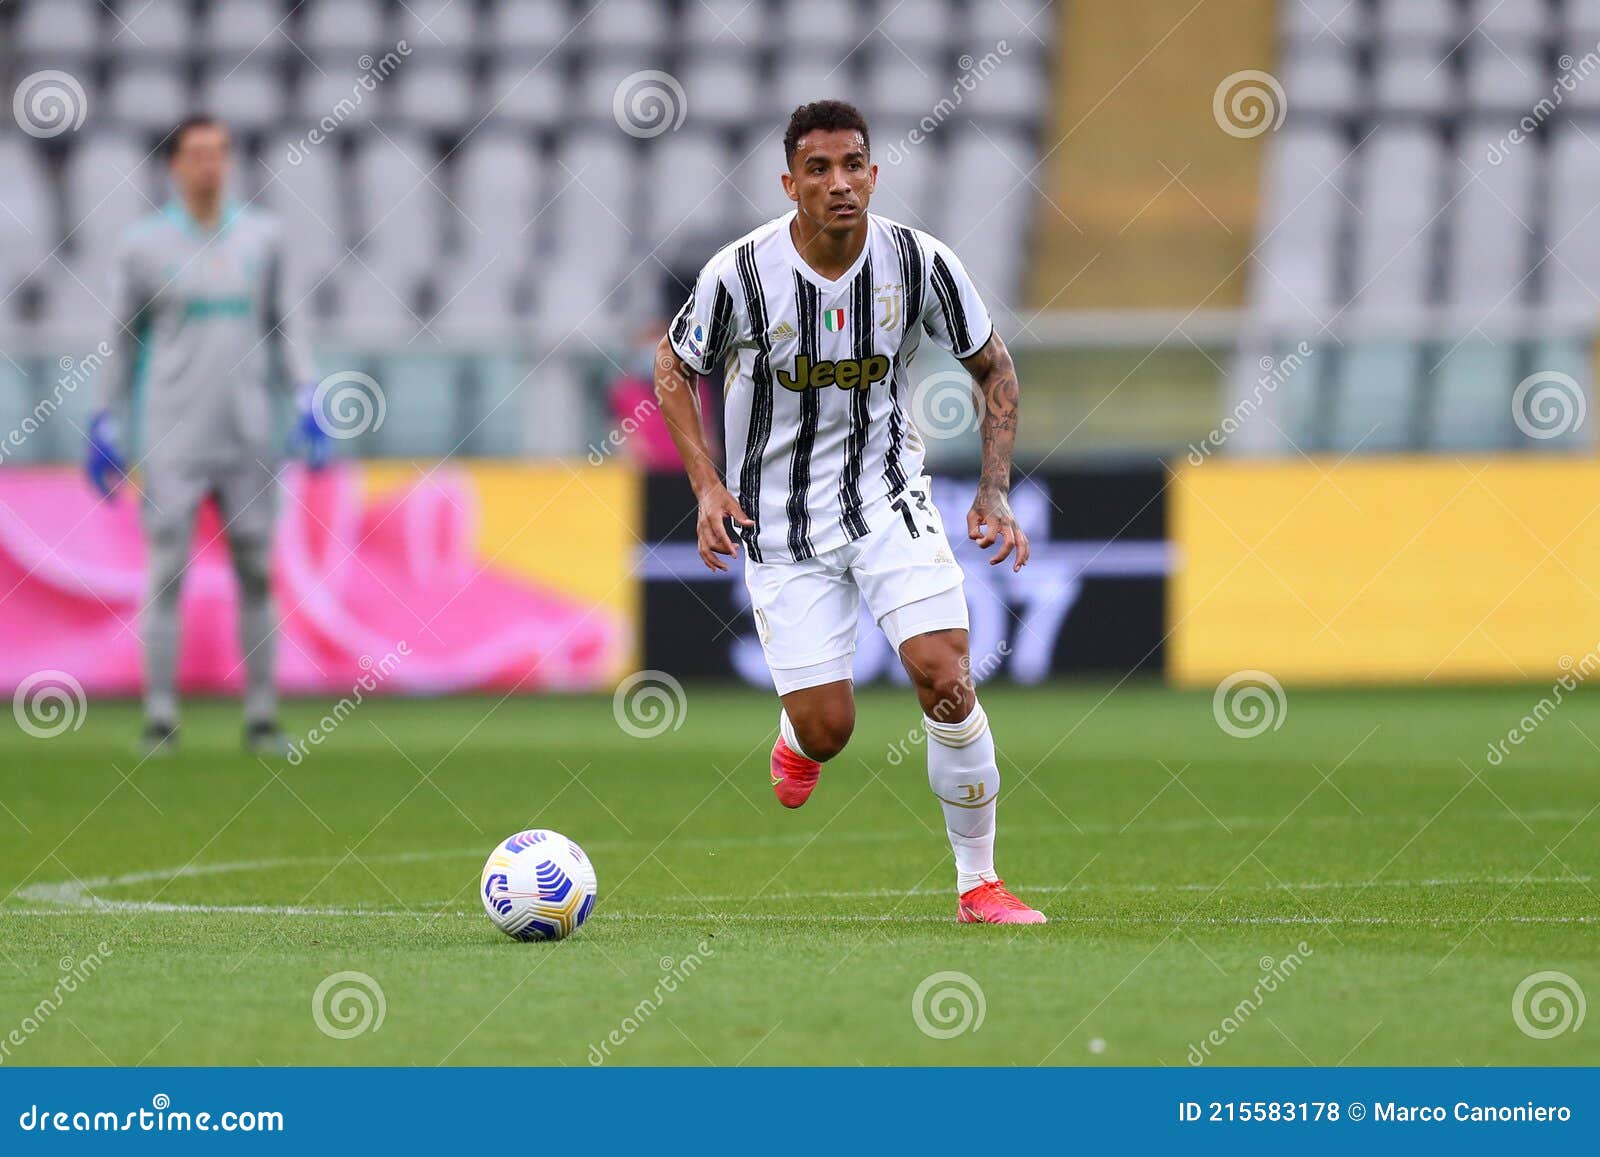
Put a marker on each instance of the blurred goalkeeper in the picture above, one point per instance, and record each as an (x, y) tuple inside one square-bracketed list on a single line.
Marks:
[(204, 339)]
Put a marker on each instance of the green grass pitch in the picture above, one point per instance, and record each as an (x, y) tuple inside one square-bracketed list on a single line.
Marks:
[(1179, 866)]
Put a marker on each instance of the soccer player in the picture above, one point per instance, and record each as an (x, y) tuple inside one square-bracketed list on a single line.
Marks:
[(818, 316), (203, 340)]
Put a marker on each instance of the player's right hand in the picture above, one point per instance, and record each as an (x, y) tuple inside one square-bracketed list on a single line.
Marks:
[(104, 464), (716, 505)]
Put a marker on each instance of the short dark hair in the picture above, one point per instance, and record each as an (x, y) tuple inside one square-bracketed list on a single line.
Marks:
[(823, 114), (199, 120)]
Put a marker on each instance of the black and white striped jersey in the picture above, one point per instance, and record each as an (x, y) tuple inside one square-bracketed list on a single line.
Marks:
[(819, 375)]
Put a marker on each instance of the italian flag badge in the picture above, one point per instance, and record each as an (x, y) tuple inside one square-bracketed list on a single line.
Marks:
[(833, 320)]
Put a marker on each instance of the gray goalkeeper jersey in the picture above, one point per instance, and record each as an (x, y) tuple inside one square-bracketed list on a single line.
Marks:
[(203, 339)]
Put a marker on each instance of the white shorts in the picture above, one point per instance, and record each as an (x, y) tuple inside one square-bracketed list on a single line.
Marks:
[(806, 612)]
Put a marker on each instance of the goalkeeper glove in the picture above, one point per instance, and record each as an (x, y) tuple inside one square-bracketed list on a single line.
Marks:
[(105, 464), (310, 437)]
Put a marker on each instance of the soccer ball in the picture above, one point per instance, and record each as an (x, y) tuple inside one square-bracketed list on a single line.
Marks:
[(538, 885)]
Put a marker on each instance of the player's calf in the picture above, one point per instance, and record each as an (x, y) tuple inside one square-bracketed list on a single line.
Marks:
[(813, 727)]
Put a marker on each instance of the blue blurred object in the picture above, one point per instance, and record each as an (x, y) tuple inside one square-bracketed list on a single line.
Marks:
[(105, 463), (310, 436)]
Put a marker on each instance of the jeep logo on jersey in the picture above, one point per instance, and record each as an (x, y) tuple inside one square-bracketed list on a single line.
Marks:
[(846, 373)]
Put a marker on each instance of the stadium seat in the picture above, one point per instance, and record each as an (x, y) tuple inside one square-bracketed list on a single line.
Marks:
[(1429, 22), (757, 178), (1027, 27), (909, 189), (1572, 231), (1504, 78), (52, 33), (1010, 91), (1321, 80), (498, 185), (147, 96), (529, 27), (1414, 80), (1510, 23), (329, 88), (1323, 23), (106, 187), (433, 95), (897, 88), (1297, 257), (692, 194), (233, 30), (435, 28), (343, 29), (928, 25), (527, 93), (304, 192), (157, 27), (636, 25), (249, 96), (400, 205), (805, 76), (990, 241), (1401, 169), (595, 95), (833, 26), (722, 85), (26, 225), (725, 24), (1580, 25), (1491, 208), (372, 303)]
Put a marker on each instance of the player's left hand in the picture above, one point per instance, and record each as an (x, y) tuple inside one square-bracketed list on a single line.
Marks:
[(990, 521), (310, 438)]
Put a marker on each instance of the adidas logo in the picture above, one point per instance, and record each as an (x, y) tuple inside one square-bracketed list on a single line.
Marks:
[(783, 332)]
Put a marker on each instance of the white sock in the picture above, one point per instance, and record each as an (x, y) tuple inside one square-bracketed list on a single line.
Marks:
[(786, 729), (963, 774)]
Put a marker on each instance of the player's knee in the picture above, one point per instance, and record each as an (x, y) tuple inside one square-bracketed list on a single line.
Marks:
[(825, 734), (250, 565), (946, 692)]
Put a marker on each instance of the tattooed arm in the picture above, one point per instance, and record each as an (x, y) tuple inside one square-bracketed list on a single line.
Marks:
[(990, 520)]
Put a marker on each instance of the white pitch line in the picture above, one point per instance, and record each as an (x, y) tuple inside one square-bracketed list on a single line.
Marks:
[(1306, 886), (836, 918)]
